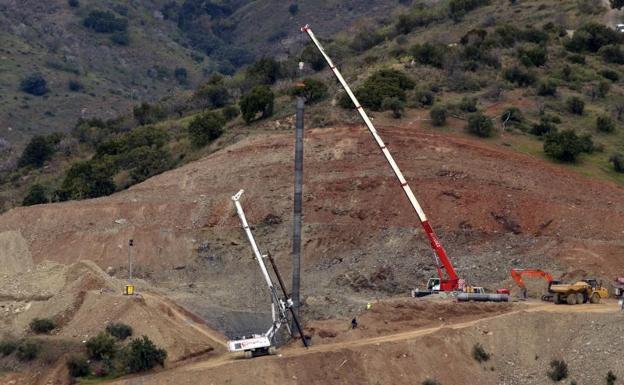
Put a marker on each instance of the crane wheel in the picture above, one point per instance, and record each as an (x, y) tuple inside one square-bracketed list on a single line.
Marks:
[(580, 298), (571, 299), (595, 298), (248, 354), (272, 351)]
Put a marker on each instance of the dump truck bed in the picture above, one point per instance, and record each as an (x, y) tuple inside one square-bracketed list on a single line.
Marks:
[(562, 288)]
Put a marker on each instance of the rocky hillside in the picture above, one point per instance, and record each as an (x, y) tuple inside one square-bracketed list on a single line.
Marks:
[(139, 51)]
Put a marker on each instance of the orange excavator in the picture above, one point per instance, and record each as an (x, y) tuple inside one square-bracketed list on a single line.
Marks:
[(517, 275)]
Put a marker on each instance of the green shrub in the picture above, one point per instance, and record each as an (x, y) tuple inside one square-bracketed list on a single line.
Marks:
[(366, 39), (575, 105), (259, 99), (576, 58), (438, 115), (36, 195), (293, 9), (480, 125), (611, 378), (75, 86), (212, 95), (121, 38), (181, 75), (141, 354), (27, 350), (547, 88), (146, 113), (545, 126), (591, 37), (396, 105), (468, 104), (119, 330), (37, 151), (559, 370), (78, 366), (612, 53), (205, 128), (386, 83), (610, 74), (532, 55), (618, 162), (564, 146), (429, 54), (430, 381), (310, 55), (145, 162), (73, 3), (42, 325), (459, 8), (311, 89), (521, 77), (605, 124), (104, 22), (512, 115), (35, 84), (264, 71), (230, 112), (479, 353), (87, 179), (101, 347), (7, 347)]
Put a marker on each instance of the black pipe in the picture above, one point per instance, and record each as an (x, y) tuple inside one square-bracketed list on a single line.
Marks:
[(294, 315), (298, 204)]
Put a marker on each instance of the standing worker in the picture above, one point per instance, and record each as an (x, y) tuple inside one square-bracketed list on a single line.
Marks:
[(354, 323)]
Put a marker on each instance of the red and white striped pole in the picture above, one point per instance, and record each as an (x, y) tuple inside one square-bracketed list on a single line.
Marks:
[(451, 281)]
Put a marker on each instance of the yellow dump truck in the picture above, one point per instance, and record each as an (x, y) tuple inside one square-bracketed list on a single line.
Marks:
[(587, 290)]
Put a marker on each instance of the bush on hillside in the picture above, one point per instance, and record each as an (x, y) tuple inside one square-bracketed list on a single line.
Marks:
[(212, 95), (119, 330), (311, 56), (459, 8), (146, 113), (396, 105), (141, 354), (591, 37), (34, 84), (532, 55), (101, 347), (264, 71), (145, 162), (480, 125), (293, 9), (575, 105), (386, 83), (27, 350), (545, 126), (105, 22), (205, 128), (311, 89), (479, 353), (366, 39), (259, 100), (559, 370), (565, 146), (78, 366), (611, 378), (618, 162), (576, 59), (87, 179), (522, 77), (511, 115), (121, 38), (430, 381), (547, 88), (605, 124), (468, 104), (75, 86), (230, 112), (36, 195), (612, 53), (73, 3), (429, 54), (7, 347), (438, 115), (610, 74), (37, 151)]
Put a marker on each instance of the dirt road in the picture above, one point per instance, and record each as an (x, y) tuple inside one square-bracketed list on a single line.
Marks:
[(212, 370)]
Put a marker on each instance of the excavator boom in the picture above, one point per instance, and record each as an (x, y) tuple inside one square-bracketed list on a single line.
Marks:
[(448, 281), (517, 275)]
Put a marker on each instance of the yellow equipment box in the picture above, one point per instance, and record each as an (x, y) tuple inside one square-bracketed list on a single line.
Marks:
[(129, 290)]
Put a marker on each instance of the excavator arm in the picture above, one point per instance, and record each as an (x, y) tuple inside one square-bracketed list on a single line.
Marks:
[(517, 275), (448, 277)]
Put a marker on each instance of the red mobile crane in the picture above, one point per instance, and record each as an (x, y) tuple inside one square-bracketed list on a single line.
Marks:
[(449, 281)]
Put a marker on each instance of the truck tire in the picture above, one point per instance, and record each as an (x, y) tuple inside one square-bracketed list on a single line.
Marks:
[(557, 299), (580, 298), (571, 299), (248, 354), (595, 298), (272, 351)]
